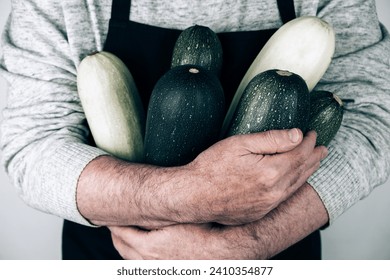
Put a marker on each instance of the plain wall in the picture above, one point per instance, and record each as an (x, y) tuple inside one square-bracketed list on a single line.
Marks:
[(363, 232)]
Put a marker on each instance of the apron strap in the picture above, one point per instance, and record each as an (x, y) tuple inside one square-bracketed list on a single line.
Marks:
[(286, 10), (120, 10)]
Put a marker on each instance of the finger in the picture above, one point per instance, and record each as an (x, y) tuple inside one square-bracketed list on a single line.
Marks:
[(290, 160), (126, 252), (122, 232), (116, 230), (299, 173), (272, 141), (123, 242), (299, 183), (290, 187), (302, 151), (289, 167), (302, 178), (307, 152)]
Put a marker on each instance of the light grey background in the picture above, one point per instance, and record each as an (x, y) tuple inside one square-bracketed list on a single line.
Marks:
[(361, 233)]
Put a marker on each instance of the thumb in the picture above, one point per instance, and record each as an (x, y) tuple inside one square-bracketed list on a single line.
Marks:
[(274, 141)]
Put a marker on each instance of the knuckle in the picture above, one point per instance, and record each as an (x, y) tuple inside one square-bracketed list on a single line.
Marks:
[(300, 155), (272, 176), (299, 171), (299, 163)]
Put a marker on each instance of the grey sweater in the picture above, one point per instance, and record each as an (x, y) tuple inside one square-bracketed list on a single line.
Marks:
[(43, 133)]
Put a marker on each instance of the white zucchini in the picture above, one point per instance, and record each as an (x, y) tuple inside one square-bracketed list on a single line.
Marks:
[(112, 105), (304, 46)]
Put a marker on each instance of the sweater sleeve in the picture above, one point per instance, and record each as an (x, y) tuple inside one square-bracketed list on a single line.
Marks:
[(358, 158), (44, 132)]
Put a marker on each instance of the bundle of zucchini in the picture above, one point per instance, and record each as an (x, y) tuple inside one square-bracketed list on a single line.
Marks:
[(185, 112)]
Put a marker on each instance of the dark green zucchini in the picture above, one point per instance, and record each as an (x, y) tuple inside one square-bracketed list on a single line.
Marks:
[(326, 115), (198, 45), (273, 99), (184, 116)]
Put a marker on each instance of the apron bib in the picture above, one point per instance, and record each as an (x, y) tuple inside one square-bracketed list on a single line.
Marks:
[(146, 50)]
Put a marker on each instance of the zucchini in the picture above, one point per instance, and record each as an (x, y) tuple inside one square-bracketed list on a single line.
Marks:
[(184, 116), (304, 46), (274, 99), (198, 45), (326, 115), (112, 105)]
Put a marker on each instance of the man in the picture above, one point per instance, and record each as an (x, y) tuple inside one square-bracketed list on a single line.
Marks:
[(265, 207)]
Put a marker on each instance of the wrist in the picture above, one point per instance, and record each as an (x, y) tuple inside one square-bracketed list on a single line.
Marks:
[(291, 221), (163, 195), (181, 190), (241, 242), (115, 192)]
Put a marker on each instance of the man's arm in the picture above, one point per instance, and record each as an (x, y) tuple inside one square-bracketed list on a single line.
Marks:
[(290, 222), (358, 155), (272, 164), (44, 142)]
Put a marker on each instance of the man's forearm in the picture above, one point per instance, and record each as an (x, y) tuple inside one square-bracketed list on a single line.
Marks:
[(115, 192), (287, 224), (290, 222)]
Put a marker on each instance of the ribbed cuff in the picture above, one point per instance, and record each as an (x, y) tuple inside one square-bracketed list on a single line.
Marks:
[(61, 175), (336, 183)]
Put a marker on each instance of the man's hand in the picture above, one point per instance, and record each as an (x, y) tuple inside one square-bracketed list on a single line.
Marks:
[(291, 221), (242, 178), (235, 181), (183, 241)]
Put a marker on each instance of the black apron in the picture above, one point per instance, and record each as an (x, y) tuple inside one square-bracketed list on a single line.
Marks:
[(147, 50)]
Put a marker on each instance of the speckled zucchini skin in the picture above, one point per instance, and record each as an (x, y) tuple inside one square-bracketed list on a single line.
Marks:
[(184, 116), (326, 115), (273, 99), (198, 45)]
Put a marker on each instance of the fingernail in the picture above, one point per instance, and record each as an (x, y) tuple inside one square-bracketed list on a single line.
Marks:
[(294, 135)]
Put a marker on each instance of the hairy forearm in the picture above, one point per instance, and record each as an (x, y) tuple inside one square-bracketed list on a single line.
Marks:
[(209, 189), (287, 224), (290, 222), (115, 192)]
